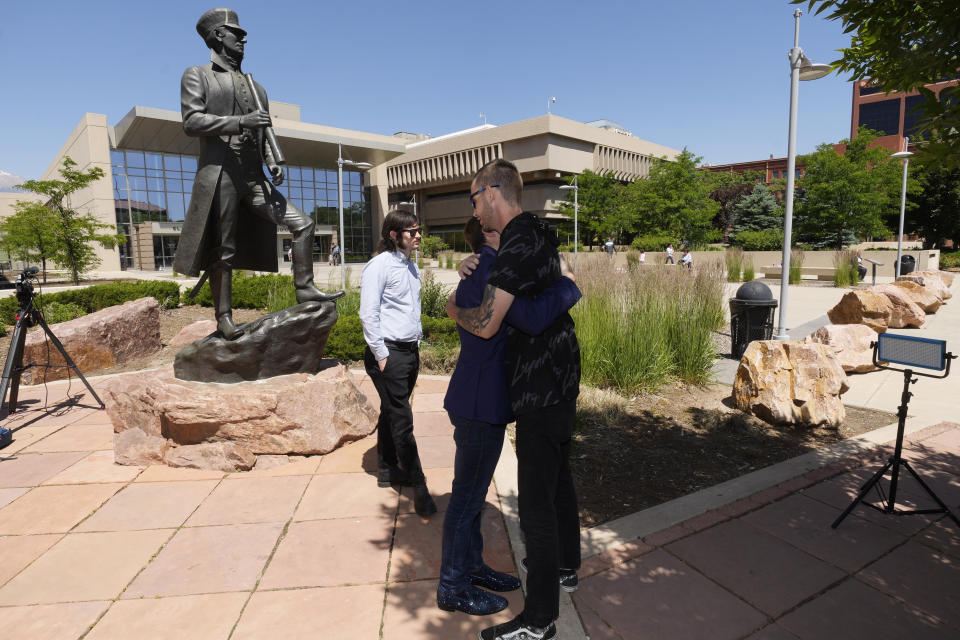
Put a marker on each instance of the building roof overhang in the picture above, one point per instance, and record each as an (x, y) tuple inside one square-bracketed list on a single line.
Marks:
[(303, 143)]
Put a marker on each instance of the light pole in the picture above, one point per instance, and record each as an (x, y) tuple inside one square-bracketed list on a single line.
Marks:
[(412, 202), (905, 156), (343, 245), (800, 69), (549, 100), (576, 211)]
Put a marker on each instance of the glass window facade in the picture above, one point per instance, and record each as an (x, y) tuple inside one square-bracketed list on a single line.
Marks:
[(913, 115), (155, 187), (452, 235), (882, 116)]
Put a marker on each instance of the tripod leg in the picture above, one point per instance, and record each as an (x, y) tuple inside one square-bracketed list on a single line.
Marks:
[(863, 492), (930, 492), (70, 363), (14, 365)]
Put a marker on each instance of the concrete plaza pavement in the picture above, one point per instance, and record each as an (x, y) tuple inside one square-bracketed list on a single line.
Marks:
[(91, 549)]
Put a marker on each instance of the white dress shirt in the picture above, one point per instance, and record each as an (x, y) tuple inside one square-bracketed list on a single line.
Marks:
[(390, 301)]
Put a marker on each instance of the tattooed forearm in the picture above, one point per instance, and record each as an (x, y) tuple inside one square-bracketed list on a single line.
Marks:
[(476, 319)]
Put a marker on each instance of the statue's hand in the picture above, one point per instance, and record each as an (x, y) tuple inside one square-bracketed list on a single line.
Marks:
[(277, 172), (255, 120)]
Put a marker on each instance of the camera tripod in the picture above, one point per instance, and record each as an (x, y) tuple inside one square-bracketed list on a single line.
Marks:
[(27, 316), (888, 503)]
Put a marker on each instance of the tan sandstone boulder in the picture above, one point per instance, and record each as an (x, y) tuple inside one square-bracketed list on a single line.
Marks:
[(905, 312), (159, 419), (926, 300), (931, 282), (791, 382), (193, 332), (862, 306), (851, 345), (945, 277), (95, 341)]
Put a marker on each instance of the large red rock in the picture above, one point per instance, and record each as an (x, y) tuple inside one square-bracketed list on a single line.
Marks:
[(791, 383), (193, 332), (926, 300), (862, 306), (95, 341), (904, 311), (158, 418), (850, 343)]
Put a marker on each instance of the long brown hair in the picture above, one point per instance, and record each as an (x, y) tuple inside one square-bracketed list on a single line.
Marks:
[(396, 220)]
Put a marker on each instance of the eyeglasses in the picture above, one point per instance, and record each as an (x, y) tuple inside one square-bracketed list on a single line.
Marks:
[(478, 192), (412, 232)]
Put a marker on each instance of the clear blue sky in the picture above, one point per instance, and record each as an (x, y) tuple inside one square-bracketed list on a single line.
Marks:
[(706, 75)]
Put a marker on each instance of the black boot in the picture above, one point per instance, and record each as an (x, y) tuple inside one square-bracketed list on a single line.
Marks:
[(423, 504), (221, 287), (302, 255)]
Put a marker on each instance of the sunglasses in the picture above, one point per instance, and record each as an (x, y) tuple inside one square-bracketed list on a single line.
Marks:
[(478, 192), (412, 232)]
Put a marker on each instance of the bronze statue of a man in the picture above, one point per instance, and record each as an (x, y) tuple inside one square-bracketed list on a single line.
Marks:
[(233, 213)]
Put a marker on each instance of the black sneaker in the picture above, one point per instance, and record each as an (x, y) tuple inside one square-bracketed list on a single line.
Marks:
[(471, 600), (569, 580), (517, 630)]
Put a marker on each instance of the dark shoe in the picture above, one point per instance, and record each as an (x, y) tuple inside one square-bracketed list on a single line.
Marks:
[(423, 504), (569, 580), (494, 580), (476, 602), (517, 630), (227, 329), (310, 293), (388, 476)]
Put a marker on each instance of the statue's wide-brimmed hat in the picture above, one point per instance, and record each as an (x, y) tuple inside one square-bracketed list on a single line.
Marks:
[(216, 18)]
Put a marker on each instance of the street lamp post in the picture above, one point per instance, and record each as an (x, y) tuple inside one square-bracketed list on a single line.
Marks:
[(343, 245), (905, 156), (801, 68), (411, 203), (576, 211)]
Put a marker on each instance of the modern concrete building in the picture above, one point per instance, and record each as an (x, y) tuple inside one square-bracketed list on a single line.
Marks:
[(150, 163)]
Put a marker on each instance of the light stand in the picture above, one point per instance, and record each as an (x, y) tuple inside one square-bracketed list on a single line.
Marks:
[(905, 156), (576, 211), (343, 244), (912, 352)]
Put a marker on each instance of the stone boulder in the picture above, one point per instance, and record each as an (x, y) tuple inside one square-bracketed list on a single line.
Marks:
[(932, 283), (926, 300), (945, 277), (194, 332), (160, 419), (95, 341), (289, 341), (791, 383), (862, 306), (904, 312), (850, 343)]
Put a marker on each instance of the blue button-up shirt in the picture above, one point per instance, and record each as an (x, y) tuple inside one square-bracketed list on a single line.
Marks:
[(390, 301)]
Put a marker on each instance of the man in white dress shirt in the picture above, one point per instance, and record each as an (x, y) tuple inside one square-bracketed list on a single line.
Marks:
[(390, 314)]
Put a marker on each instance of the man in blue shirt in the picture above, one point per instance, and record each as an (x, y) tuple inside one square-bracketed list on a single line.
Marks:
[(390, 314)]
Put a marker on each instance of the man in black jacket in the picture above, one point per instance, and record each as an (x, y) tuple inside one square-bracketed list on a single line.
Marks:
[(233, 213)]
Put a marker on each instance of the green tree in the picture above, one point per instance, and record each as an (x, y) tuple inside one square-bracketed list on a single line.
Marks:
[(28, 233), (727, 189), (758, 210), (601, 201), (72, 232), (904, 45), (675, 200), (842, 197), (935, 206)]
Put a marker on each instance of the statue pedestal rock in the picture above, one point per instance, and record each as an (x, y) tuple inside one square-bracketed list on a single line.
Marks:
[(159, 419), (226, 402)]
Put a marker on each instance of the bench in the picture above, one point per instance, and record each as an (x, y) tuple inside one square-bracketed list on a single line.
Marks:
[(821, 273)]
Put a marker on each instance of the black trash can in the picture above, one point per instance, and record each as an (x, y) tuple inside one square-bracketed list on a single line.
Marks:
[(908, 264), (751, 316)]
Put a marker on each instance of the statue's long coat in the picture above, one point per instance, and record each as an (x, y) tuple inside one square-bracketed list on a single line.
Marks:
[(207, 104)]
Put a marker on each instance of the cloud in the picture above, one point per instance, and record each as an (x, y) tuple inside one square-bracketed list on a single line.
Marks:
[(7, 180)]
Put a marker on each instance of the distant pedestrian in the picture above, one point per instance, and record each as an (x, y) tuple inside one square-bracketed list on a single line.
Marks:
[(609, 247), (669, 259), (861, 270), (686, 260), (643, 256)]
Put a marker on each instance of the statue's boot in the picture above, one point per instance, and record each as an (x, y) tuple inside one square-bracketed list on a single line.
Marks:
[(221, 286), (303, 269)]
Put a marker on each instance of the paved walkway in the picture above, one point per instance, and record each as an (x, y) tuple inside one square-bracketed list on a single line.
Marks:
[(313, 549)]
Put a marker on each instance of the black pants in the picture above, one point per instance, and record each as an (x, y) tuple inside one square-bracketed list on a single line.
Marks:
[(396, 445), (548, 507)]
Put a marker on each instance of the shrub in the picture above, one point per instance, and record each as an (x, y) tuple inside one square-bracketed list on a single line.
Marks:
[(734, 260), (633, 260), (430, 246), (101, 296), (845, 268), (440, 337), (766, 240), (653, 242), (568, 248), (54, 312), (346, 339), (748, 271), (349, 304), (641, 329), (253, 292), (796, 266), (950, 260), (433, 295), (280, 296)]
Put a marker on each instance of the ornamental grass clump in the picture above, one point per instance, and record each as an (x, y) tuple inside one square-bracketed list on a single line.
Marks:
[(748, 270), (796, 266), (734, 259), (640, 329), (845, 271)]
